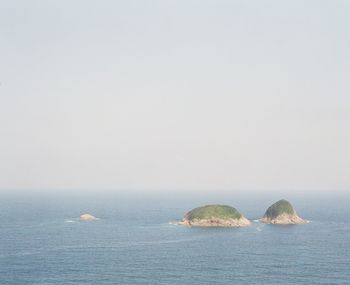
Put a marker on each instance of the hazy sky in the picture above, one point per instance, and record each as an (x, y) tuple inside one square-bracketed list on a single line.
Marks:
[(174, 95)]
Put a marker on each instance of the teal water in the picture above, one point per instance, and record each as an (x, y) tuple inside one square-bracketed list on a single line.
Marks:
[(43, 242)]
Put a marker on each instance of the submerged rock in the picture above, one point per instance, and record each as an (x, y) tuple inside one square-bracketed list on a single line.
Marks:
[(87, 217), (214, 216), (282, 213)]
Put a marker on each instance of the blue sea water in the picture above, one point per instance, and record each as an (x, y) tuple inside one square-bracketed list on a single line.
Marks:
[(134, 241)]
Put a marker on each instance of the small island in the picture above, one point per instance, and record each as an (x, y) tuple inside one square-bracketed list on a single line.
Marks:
[(214, 216), (282, 213), (87, 217)]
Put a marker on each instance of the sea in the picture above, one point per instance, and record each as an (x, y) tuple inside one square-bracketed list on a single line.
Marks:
[(136, 240)]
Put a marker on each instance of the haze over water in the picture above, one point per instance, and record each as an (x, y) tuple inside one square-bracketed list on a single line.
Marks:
[(178, 95), (138, 111)]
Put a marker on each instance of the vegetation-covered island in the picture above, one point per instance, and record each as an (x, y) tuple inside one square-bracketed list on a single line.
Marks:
[(214, 216), (282, 213)]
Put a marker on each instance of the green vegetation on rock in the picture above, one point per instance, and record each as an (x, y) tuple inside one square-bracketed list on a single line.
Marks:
[(213, 211), (279, 208)]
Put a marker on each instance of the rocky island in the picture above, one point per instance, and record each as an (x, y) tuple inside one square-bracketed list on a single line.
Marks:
[(282, 213), (214, 216), (87, 217)]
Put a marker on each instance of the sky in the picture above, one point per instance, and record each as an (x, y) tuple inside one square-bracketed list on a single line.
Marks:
[(175, 95)]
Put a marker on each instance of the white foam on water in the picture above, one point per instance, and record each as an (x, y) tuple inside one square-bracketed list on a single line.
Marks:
[(69, 221)]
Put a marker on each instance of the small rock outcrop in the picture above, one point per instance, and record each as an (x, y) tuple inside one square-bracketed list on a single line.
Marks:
[(214, 216), (87, 217), (282, 213)]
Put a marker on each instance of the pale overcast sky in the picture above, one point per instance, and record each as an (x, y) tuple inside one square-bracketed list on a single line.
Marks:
[(174, 95)]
